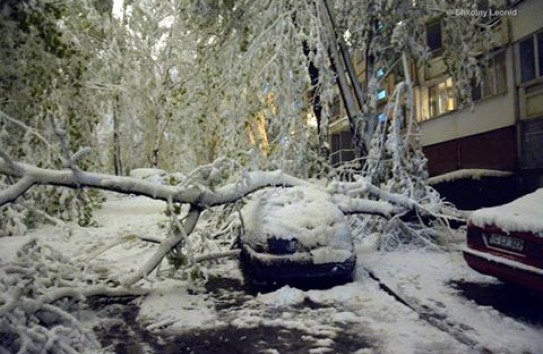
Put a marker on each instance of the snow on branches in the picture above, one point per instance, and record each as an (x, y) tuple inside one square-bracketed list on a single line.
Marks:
[(209, 186), (40, 291)]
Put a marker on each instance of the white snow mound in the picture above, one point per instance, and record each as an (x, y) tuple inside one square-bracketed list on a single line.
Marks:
[(302, 213), (522, 215)]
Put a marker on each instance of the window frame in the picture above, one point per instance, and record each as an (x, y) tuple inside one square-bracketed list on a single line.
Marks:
[(496, 90), (449, 96), (537, 39), (439, 50)]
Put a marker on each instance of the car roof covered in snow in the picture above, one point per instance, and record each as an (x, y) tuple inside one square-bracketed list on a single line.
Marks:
[(524, 214), (304, 213)]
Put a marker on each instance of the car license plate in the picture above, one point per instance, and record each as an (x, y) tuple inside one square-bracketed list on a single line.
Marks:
[(507, 242)]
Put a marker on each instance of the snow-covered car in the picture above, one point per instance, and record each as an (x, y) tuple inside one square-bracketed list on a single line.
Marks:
[(507, 241), (295, 234)]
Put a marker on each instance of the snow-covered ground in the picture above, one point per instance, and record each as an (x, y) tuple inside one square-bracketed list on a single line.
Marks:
[(224, 317)]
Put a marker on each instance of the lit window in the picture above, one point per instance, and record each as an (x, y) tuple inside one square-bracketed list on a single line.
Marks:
[(441, 98), (433, 36), (530, 52), (494, 80)]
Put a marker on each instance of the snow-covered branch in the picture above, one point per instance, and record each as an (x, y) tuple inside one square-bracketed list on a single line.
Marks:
[(165, 247), (349, 205), (191, 194), (16, 190)]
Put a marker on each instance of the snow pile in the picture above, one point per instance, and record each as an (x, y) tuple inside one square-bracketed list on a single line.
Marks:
[(475, 174), (285, 296), (306, 215), (522, 215), (173, 307)]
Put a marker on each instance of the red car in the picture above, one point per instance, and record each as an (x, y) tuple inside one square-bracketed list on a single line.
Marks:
[(507, 241)]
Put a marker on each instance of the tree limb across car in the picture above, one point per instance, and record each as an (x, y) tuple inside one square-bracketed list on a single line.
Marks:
[(350, 197)]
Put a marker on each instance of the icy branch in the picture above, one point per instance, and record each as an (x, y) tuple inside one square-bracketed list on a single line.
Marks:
[(27, 128), (16, 190), (82, 293), (350, 205), (216, 255), (191, 194), (166, 246)]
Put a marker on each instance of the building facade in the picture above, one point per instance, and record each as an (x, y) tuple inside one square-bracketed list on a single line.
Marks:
[(503, 128)]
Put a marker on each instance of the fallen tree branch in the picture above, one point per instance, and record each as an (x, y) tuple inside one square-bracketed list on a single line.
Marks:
[(216, 255), (350, 197), (166, 246), (361, 189), (349, 205), (82, 293), (191, 194)]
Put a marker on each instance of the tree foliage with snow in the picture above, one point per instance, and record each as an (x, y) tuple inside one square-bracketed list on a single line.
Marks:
[(222, 91), (43, 84)]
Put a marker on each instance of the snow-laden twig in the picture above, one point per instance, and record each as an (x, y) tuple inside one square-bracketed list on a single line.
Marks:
[(81, 293), (6, 158), (216, 255), (10, 304), (29, 129), (349, 205), (32, 319), (14, 191)]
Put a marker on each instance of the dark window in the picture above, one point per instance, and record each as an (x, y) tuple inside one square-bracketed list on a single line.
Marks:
[(433, 36), (476, 91), (527, 59), (501, 72), (494, 80), (335, 109), (399, 74), (342, 147)]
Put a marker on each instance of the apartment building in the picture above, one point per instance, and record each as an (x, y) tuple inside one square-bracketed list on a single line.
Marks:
[(502, 130)]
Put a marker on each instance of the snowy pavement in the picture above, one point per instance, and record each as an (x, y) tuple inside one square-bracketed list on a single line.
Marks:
[(225, 316)]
